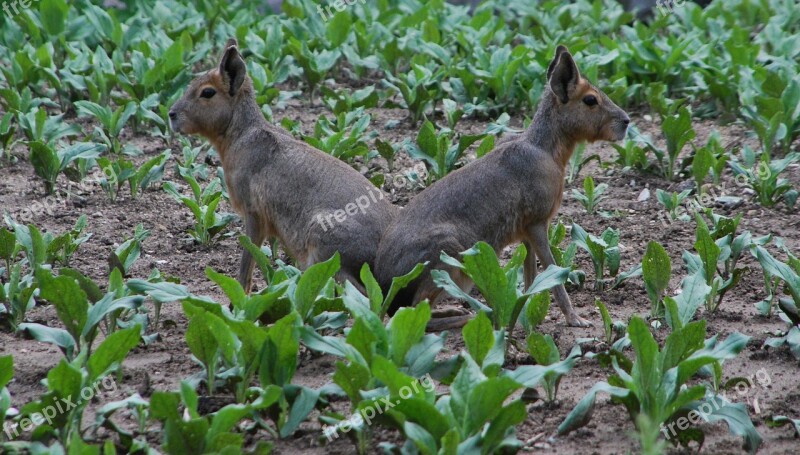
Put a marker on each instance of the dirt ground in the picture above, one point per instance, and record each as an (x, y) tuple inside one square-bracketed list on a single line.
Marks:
[(163, 364)]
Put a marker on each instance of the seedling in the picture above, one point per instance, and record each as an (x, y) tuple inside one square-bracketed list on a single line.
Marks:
[(208, 223), (654, 389), (591, 196), (603, 250), (499, 285), (49, 163)]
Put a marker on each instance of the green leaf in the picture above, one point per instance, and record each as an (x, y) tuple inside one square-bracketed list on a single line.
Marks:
[(201, 340), (707, 249), (478, 337), (313, 280), (302, 406), (406, 329), (229, 286), (582, 412), (279, 353), (536, 310), (693, 294), (735, 415), (113, 350), (399, 283), (656, 270), (53, 14), (338, 29), (486, 401), (6, 370), (552, 276), (45, 162), (58, 337), (543, 349), (68, 298)]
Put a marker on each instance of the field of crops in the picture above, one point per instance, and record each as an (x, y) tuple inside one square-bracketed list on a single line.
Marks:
[(123, 328)]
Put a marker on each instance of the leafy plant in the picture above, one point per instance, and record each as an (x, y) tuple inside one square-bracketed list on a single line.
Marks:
[(7, 131), (498, 285), (420, 88), (212, 433), (654, 388), (565, 258), (208, 223), (123, 257), (603, 250), (116, 173), (544, 350), (710, 252), (790, 337), (440, 153), (112, 121), (49, 163), (678, 132), (764, 178), (591, 196), (577, 161), (332, 138), (673, 203)]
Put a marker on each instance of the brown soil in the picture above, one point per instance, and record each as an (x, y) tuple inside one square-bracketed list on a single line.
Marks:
[(162, 365)]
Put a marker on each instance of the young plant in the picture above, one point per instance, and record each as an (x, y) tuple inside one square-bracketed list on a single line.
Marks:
[(711, 157), (673, 202), (656, 272), (116, 173), (333, 138), (123, 257), (440, 153), (420, 88), (49, 163), (38, 127), (577, 161), (112, 121), (790, 337), (70, 294), (545, 352), (565, 258), (500, 286), (476, 414), (710, 252), (655, 389), (603, 250), (592, 194), (213, 433), (764, 178), (678, 131), (208, 223), (68, 381)]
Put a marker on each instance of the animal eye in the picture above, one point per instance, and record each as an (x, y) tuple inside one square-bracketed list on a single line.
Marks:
[(208, 93), (590, 100)]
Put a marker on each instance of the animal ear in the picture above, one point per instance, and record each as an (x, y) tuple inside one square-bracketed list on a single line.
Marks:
[(559, 50), (232, 67), (563, 74)]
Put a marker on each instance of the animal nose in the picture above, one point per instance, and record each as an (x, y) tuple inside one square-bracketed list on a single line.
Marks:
[(172, 115), (626, 120)]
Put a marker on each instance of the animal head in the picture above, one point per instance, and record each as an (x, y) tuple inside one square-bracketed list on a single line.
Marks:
[(583, 110), (209, 103)]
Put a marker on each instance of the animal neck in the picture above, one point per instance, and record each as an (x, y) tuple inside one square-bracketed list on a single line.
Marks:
[(547, 131), (246, 116)]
